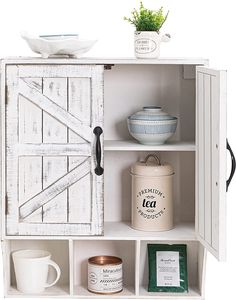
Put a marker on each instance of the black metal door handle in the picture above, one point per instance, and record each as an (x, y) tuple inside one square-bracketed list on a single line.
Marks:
[(233, 165), (98, 170)]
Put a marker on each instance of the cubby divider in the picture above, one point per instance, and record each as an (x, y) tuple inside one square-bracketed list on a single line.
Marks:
[(71, 268), (137, 268)]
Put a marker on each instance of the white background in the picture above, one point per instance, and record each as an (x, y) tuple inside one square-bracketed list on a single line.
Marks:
[(200, 28)]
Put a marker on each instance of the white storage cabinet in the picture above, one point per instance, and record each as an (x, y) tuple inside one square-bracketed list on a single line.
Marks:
[(52, 165)]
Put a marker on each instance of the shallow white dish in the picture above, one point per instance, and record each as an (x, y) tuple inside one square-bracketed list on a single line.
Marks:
[(71, 46), (59, 36)]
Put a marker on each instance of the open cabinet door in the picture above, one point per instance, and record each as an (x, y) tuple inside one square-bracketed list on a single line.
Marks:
[(211, 160)]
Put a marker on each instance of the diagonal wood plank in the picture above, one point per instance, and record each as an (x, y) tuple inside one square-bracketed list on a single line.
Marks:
[(33, 95), (55, 189)]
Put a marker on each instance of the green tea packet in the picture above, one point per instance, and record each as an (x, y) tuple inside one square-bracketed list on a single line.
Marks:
[(167, 268)]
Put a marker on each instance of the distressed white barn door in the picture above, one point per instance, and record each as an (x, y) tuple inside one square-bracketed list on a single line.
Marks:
[(51, 185), (211, 160)]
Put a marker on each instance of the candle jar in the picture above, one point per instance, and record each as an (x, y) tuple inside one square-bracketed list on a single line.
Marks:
[(105, 275)]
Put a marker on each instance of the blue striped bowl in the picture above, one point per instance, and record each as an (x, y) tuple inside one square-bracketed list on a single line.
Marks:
[(149, 132)]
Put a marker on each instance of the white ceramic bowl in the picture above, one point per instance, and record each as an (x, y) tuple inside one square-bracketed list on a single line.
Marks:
[(152, 132), (72, 46)]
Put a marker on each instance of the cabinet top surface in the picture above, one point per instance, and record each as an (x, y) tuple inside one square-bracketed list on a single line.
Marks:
[(106, 60)]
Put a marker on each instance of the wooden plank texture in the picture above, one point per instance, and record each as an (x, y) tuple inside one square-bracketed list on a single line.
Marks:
[(200, 157), (30, 131), (79, 103), (54, 167), (54, 189), (50, 140), (55, 110), (97, 181), (59, 149), (211, 160), (12, 218), (207, 157)]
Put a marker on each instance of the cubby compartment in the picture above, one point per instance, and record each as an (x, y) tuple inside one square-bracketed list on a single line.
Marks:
[(127, 88), (83, 249), (195, 264), (118, 191), (59, 250)]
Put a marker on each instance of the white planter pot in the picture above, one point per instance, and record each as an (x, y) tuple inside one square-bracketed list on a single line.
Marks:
[(147, 43)]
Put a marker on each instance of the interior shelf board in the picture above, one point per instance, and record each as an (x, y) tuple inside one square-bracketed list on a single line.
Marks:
[(193, 293), (82, 292), (184, 231), (54, 291), (122, 230), (132, 145)]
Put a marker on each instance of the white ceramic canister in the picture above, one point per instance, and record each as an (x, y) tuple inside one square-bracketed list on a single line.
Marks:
[(147, 43), (105, 275), (152, 203)]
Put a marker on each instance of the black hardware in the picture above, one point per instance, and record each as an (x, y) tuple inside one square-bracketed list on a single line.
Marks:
[(6, 205), (108, 67), (233, 165), (98, 170)]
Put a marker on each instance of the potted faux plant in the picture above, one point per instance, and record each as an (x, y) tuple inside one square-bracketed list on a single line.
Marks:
[(147, 37)]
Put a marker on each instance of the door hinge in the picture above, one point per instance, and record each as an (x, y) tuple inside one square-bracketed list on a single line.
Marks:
[(6, 94), (108, 66), (6, 205)]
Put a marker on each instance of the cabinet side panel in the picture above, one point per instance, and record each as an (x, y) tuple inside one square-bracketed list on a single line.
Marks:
[(200, 196), (2, 148), (207, 158), (202, 256)]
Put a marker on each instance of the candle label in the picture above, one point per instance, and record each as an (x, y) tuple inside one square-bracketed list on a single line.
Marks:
[(104, 279)]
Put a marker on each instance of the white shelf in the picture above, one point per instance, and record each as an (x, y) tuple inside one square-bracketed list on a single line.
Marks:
[(128, 292), (82, 292), (193, 293), (122, 231), (54, 291), (111, 60), (132, 145)]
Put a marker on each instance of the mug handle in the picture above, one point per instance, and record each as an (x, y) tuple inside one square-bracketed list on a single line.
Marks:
[(58, 271)]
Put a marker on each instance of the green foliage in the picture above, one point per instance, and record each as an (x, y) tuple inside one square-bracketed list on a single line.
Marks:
[(146, 19)]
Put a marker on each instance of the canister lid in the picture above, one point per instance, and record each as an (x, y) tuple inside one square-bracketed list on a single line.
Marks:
[(152, 167)]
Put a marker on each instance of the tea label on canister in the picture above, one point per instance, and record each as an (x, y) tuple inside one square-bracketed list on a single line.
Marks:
[(105, 279), (150, 203)]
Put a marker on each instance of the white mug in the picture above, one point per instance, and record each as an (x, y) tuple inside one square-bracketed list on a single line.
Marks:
[(31, 269)]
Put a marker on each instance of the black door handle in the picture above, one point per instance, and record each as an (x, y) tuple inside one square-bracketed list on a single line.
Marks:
[(98, 170), (233, 165)]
